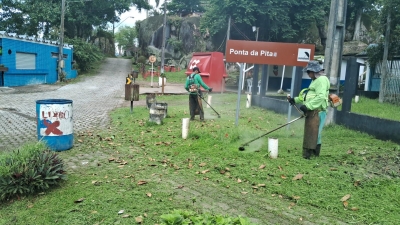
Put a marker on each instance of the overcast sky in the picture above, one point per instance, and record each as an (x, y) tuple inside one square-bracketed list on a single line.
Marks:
[(136, 14)]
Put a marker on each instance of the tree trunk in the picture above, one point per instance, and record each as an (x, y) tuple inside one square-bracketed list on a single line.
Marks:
[(322, 31), (357, 29), (384, 70), (75, 31)]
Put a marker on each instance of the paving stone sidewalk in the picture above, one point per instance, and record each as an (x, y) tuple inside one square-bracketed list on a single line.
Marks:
[(93, 98)]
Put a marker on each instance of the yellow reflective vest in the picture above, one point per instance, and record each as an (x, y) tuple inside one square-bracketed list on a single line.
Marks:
[(317, 94)]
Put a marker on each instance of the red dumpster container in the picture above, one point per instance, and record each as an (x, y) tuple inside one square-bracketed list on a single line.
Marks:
[(212, 67)]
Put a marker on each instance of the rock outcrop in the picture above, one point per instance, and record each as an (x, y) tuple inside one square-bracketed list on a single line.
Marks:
[(183, 37)]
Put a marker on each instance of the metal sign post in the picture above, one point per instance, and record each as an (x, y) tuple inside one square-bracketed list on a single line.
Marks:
[(152, 59), (152, 74), (239, 93)]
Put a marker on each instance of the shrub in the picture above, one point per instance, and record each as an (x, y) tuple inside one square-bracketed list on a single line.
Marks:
[(176, 44), (85, 54), (28, 170), (142, 59)]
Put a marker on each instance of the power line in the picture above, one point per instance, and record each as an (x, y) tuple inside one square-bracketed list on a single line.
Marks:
[(223, 41), (240, 32)]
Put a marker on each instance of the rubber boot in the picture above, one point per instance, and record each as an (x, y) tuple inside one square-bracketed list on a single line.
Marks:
[(317, 150), (307, 153)]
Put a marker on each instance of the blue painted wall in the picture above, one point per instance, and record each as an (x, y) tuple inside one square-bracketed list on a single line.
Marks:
[(46, 64)]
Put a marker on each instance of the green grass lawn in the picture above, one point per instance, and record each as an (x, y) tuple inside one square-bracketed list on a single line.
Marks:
[(372, 107), (148, 170)]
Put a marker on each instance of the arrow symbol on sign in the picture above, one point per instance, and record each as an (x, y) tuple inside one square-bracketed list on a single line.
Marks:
[(128, 80)]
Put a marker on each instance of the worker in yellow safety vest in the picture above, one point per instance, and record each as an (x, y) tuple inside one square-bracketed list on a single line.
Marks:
[(314, 100)]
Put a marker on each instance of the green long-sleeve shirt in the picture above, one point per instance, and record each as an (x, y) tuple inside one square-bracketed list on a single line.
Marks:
[(197, 81), (317, 96)]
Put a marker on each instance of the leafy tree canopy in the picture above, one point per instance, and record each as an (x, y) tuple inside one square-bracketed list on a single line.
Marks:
[(34, 16), (126, 36), (277, 20), (184, 7)]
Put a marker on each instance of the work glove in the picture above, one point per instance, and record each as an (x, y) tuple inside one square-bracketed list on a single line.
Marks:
[(304, 109), (210, 89), (291, 101)]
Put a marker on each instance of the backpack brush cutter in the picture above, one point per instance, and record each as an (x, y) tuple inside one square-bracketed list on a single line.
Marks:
[(241, 148)]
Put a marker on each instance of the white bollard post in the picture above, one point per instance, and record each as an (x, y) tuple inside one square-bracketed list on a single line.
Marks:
[(248, 102), (209, 101), (273, 147), (357, 99), (185, 127)]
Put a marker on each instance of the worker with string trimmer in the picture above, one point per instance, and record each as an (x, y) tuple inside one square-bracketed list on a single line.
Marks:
[(315, 102), (192, 85)]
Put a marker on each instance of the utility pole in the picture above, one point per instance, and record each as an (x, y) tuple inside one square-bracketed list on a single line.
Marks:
[(61, 46), (334, 43), (228, 32), (255, 29), (163, 38), (334, 49), (257, 34)]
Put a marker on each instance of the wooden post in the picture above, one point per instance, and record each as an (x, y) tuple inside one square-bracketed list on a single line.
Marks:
[(135, 92), (127, 91)]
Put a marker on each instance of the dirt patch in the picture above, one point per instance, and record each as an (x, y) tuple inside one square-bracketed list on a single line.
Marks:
[(385, 165), (84, 160), (213, 199)]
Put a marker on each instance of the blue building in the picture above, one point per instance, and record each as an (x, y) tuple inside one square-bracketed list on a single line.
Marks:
[(31, 60)]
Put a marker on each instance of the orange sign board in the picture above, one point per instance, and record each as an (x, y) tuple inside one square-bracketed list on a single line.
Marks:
[(272, 53)]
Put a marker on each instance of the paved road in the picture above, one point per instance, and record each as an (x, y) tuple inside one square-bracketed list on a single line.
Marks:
[(93, 98)]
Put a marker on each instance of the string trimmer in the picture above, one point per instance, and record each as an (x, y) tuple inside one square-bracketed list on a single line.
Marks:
[(241, 148), (208, 104)]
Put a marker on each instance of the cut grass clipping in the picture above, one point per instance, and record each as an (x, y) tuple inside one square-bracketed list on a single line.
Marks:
[(145, 170)]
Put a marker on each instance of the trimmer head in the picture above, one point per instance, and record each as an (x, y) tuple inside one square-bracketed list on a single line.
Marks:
[(241, 148)]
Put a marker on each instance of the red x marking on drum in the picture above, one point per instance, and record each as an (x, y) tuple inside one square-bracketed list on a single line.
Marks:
[(52, 127)]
